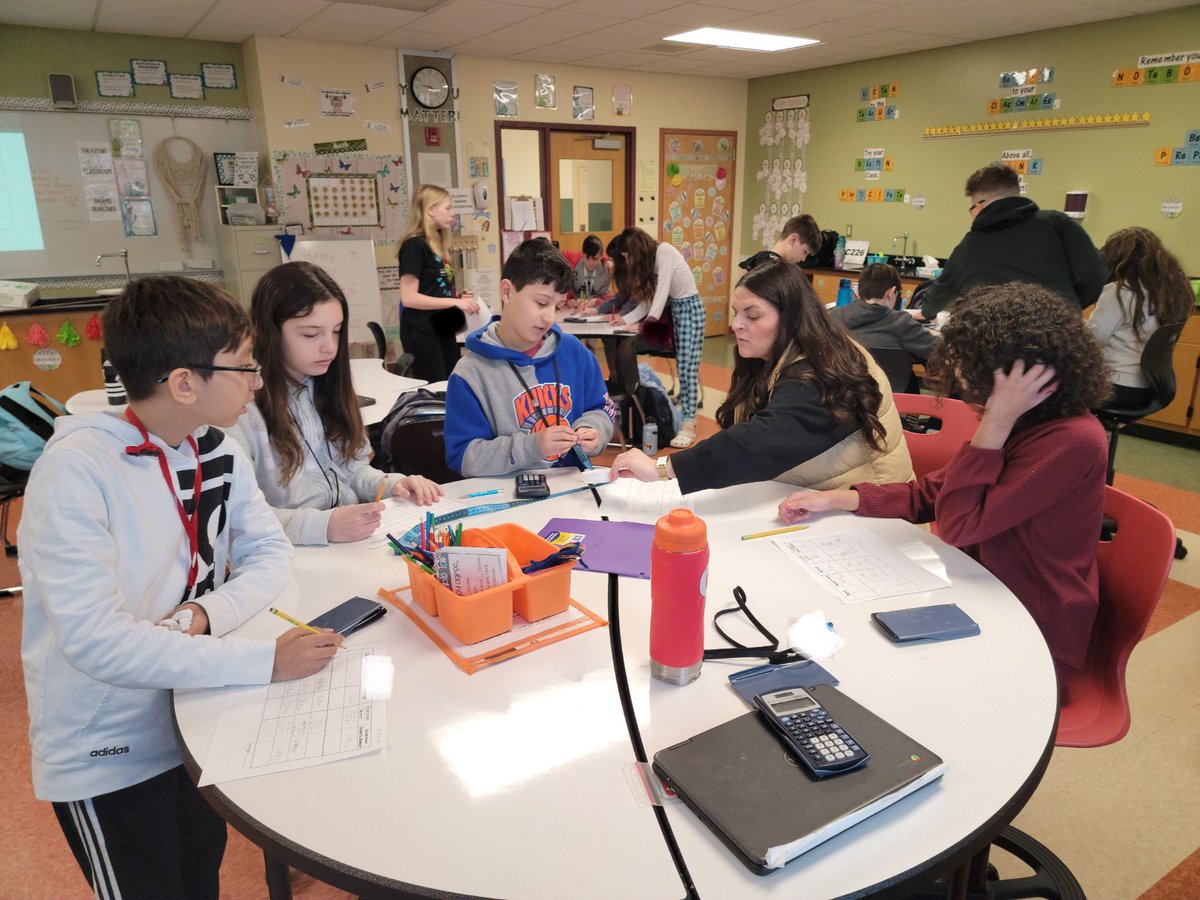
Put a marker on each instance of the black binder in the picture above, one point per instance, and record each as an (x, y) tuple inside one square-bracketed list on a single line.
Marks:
[(741, 781)]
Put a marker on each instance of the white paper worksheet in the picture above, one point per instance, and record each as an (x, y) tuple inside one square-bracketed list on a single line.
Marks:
[(633, 500), (401, 515), (295, 724), (856, 565)]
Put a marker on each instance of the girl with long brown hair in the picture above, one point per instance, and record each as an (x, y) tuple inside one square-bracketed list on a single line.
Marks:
[(430, 312), (1146, 289), (304, 433), (806, 405)]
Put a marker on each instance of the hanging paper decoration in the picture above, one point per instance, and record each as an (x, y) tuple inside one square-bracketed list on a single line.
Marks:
[(93, 330), (67, 335), (8, 340), (37, 336), (672, 169)]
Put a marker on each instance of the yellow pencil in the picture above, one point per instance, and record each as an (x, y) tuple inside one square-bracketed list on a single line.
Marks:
[(379, 493), (762, 534), (294, 621)]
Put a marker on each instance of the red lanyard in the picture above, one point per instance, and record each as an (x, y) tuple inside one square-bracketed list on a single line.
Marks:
[(191, 526)]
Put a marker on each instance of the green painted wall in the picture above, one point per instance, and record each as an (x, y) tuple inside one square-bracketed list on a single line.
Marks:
[(952, 86), (28, 55)]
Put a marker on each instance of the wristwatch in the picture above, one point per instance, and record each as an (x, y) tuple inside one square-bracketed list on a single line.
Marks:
[(661, 464)]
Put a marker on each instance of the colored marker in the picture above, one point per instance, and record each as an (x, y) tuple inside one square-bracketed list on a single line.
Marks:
[(763, 534), (294, 621), (484, 493)]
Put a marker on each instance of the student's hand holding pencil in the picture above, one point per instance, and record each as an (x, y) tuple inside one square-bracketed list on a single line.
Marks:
[(300, 652), (353, 523)]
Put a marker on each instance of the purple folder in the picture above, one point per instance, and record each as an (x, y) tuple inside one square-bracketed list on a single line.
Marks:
[(622, 548)]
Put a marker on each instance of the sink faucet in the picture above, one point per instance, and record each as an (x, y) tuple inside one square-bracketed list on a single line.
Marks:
[(903, 261), (124, 254)]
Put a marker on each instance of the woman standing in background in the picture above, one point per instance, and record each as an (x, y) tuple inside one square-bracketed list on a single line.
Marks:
[(430, 314), (651, 275), (1146, 289)]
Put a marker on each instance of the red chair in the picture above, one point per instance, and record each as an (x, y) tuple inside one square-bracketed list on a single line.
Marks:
[(930, 450), (1134, 565)]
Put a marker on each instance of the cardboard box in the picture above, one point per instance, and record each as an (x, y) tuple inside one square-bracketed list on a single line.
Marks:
[(19, 294)]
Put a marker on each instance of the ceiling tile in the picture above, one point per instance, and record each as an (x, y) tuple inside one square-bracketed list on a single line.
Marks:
[(410, 39), (236, 20)]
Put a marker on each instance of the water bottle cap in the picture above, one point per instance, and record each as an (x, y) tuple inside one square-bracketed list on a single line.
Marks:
[(681, 531)]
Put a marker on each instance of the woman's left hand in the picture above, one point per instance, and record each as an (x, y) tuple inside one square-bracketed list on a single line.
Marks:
[(421, 490), (633, 464)]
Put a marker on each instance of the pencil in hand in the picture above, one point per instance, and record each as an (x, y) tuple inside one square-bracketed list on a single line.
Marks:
[(379, 493), (292, 620)]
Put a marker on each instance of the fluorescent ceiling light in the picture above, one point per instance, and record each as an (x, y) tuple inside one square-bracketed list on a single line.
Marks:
[(740, 40)]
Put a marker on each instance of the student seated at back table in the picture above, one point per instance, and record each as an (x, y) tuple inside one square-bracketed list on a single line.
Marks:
[(1025, 496), (525, 394), (129, 521), (800, 239), (304, 433), (806, 404), (592, 279), (1146, 289), (872, 321)]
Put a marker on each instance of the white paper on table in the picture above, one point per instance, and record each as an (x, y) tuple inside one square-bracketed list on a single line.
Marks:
[(628, 498), (856, 565), (296, 724), (400, 515)]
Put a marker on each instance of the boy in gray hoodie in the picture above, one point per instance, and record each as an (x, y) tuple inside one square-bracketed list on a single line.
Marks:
[(525, 393)]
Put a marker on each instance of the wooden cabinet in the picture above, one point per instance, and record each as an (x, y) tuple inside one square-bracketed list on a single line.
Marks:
[(825, 283), (1182, 415), (247, 252)]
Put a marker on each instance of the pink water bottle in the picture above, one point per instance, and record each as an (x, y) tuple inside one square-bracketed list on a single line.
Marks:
[(678, 583)]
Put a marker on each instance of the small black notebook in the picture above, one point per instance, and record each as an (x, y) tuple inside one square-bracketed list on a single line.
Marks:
[(742, 783)]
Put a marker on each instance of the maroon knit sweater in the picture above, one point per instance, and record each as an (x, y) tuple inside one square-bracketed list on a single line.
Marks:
[(1030, 513)]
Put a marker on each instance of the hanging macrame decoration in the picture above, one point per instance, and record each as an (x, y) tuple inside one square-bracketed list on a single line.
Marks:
[(8, 340), (184, 180), (93, 330), (37, 336), (67, 335)]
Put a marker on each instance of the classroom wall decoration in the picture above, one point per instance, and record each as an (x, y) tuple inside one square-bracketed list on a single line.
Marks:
[(1047, 123), (1187, 155), (785, 175), (1023, 162), (1162, 68), (878, 98), (387, 175), (696, 191)]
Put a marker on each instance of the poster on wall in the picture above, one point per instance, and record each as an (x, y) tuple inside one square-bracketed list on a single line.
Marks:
[(696, 192), (293, 169), (337, 103), (504, 99), (622, 100), (545, 92), (583, 102), (343, 200)]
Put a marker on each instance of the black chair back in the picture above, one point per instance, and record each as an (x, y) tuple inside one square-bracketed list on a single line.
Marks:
[(1157, 364), (380, 341), (419, 448), (897, 366)]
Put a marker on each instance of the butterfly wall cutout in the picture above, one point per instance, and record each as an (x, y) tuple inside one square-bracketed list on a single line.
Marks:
[(385, 171), (344, 166), (303, 173), (295, 191)]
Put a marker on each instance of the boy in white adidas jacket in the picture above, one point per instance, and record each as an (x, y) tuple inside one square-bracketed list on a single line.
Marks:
[(113, 542)]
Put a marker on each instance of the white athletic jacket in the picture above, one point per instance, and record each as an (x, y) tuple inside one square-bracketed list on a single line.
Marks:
[(103, 557)]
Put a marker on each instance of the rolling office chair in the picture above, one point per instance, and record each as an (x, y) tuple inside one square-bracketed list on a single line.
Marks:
[(1134, 566), (403, 362), (930, 450), (1158, 367), (623, 385), (657, 338)]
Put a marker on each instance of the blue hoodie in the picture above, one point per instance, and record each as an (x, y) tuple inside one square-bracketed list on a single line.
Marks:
[(493, 414)]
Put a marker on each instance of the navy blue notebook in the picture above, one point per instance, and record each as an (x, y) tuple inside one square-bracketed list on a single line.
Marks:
[(943, 622)]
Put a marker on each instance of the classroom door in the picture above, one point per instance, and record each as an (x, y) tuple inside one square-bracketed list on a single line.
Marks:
[(695, 201), (587, 186)]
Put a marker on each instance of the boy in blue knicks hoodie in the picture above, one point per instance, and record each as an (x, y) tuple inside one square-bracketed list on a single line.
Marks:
[(525, 393)]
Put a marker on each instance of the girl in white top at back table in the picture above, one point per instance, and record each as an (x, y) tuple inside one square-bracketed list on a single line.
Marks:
[(1146, 289), (653, 275), (304, 433)]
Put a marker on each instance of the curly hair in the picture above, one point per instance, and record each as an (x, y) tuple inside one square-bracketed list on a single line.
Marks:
[(807, 332), (992, 327), (1138, 262)]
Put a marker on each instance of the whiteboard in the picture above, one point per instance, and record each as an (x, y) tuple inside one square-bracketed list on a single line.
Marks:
[(72, 242), (351, 263)]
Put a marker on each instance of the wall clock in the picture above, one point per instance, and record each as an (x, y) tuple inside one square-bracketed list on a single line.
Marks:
[(429, 87)]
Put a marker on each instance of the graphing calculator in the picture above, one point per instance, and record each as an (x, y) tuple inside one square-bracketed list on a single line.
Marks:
[(820, 743), (530, 485)]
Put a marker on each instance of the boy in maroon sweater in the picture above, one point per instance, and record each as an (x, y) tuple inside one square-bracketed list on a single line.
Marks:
[(1025, 496)]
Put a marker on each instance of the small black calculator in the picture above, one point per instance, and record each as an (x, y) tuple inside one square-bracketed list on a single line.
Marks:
[(820, 743), (531, 486)]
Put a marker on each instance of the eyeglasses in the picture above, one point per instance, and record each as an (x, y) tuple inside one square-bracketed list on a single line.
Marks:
[(255, 371), (974, 206)]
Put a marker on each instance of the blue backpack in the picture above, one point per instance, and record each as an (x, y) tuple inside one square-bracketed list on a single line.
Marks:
[(26, 423)]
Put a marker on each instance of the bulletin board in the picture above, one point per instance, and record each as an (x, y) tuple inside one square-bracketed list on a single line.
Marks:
[(294, 169), (695, 206)]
